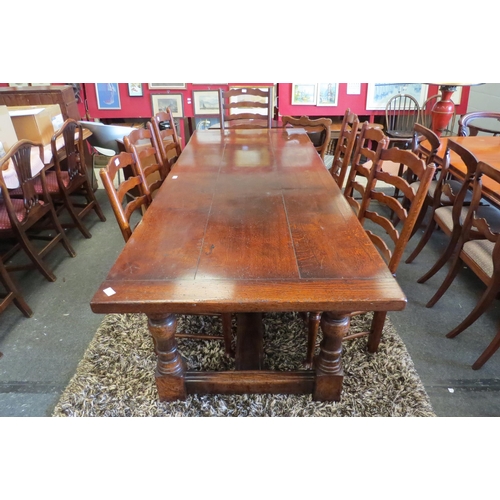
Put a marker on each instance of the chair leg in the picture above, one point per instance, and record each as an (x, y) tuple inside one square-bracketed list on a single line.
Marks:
[(445, 257), (376, 329), (60, 230), (484, 302), (227, 333), (75, 216), (488, 352), (312, 334), (452, 273), (32, 253), (423, 241), (12, 291)]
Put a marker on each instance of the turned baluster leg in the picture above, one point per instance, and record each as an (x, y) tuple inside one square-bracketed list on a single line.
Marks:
[(170, 366), (328, 364)]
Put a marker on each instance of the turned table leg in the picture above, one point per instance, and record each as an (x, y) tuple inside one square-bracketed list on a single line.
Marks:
[(328, 363), (170, 369)]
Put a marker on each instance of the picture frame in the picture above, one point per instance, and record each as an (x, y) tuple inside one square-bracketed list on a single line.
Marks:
[(160, 102), (206, 102), (206, 122), (135, 89), (327, 94), (166, 86), (108, 95), (304, 94), (18, 84), (379, 94)]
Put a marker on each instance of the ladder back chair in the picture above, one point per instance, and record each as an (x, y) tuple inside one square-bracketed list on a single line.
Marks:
[(479, 249), (317, 129), (451, 216), (246, 107), (24, 219), (466, 128), (141, 144), (345, 145), (166, 138), (118, 196), (398, 238), (369, 144), (401, 113)]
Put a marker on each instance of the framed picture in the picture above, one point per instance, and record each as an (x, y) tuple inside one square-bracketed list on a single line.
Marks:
[(206, 102), (135, 89), (378, 94), (39, 84), (108, 96), (206, 122), (304, 93), (166, 85), (327, 94), (18, 84), (160, 102)]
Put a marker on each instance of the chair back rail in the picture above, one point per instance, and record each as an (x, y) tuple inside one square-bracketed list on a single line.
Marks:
[(319, 130), (234, 99)]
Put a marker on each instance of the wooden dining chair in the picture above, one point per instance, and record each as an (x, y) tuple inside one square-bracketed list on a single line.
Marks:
[(167, 140), (401, 113), (391, 235), (344, 147), (370, 142), (479, 249), (481, 119), (26, 219), (12, 294), (246, 108), (69, 184), (451, 216), (122, 208), (318, 130), (141, 144)]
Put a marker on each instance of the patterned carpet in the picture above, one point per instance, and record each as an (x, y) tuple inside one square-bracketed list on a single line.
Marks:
[(116, 375)]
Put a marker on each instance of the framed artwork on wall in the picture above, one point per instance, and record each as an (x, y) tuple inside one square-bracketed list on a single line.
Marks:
[(108, 96), (166, 85), (379, 94), (160, 102), (304, 93), (206, 102), (135, 89), (327, 94)]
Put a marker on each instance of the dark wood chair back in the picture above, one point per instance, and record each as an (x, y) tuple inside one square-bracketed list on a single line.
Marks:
[(31, 211), (166, 137), (466, 128), (317, 129), (122, 209), (369, 144), (405, 216), (246, 107), (141, 144), (401, 113), (345, 145)]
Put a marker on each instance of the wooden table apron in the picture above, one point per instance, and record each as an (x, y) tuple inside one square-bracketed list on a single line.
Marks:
[(249, 222)]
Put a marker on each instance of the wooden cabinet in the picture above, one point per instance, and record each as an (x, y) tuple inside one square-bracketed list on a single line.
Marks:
[(63, 95)]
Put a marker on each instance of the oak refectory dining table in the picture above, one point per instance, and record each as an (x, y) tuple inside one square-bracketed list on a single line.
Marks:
[(249, 222)]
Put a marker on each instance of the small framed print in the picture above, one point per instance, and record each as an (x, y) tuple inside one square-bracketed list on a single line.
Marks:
[(160, 102), (166, 85), (206, 102), (108, 96), (304, 94), (135, 89), (327, 94), (18, 84)]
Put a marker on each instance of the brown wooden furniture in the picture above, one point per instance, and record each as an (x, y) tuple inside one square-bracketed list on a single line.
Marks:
[(317, 129), (142, 145), (401, 113), (398, 233), (466, 128), (240, 108), (370, 142), (167, 140), (117, 196), (64, 95), (344, 147), (12, 294), (479, 249), (19, 215), (251, 223)]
